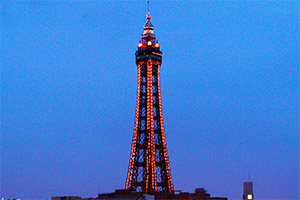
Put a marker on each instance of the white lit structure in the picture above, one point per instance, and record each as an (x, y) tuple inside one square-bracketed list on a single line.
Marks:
[(248, 191)]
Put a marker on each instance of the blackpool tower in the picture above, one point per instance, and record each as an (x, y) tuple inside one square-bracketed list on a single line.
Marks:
[(149, 168)]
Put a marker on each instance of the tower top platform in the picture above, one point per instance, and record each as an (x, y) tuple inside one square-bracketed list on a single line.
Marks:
[(148, 46)]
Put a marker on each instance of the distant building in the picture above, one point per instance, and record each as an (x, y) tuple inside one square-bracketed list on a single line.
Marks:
[(248, 191), (126, 194), (70, 198), (201, 194)]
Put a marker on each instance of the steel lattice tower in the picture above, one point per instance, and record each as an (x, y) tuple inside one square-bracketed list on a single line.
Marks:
[(149, 168)]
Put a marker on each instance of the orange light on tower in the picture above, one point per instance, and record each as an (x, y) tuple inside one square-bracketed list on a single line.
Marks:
[(149, 43), (156, 45), (140, 45), (133, 148)]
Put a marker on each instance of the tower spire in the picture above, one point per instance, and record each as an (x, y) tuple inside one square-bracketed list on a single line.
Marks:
[(148, 27)]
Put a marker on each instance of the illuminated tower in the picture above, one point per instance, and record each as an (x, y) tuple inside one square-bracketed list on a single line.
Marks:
[(149, 168)]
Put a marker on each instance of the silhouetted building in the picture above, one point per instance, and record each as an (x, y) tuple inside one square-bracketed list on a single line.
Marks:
[(70, 198), (128, 194), (201, 194), (248, 191), (131, 194)]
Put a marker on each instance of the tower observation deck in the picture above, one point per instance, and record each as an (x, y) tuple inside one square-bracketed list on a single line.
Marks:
[(149, 168)]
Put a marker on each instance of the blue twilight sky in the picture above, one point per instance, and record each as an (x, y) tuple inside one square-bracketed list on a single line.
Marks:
[(230, 92)]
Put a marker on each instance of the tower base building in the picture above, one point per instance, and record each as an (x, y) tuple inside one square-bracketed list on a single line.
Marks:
[(130, 194)]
